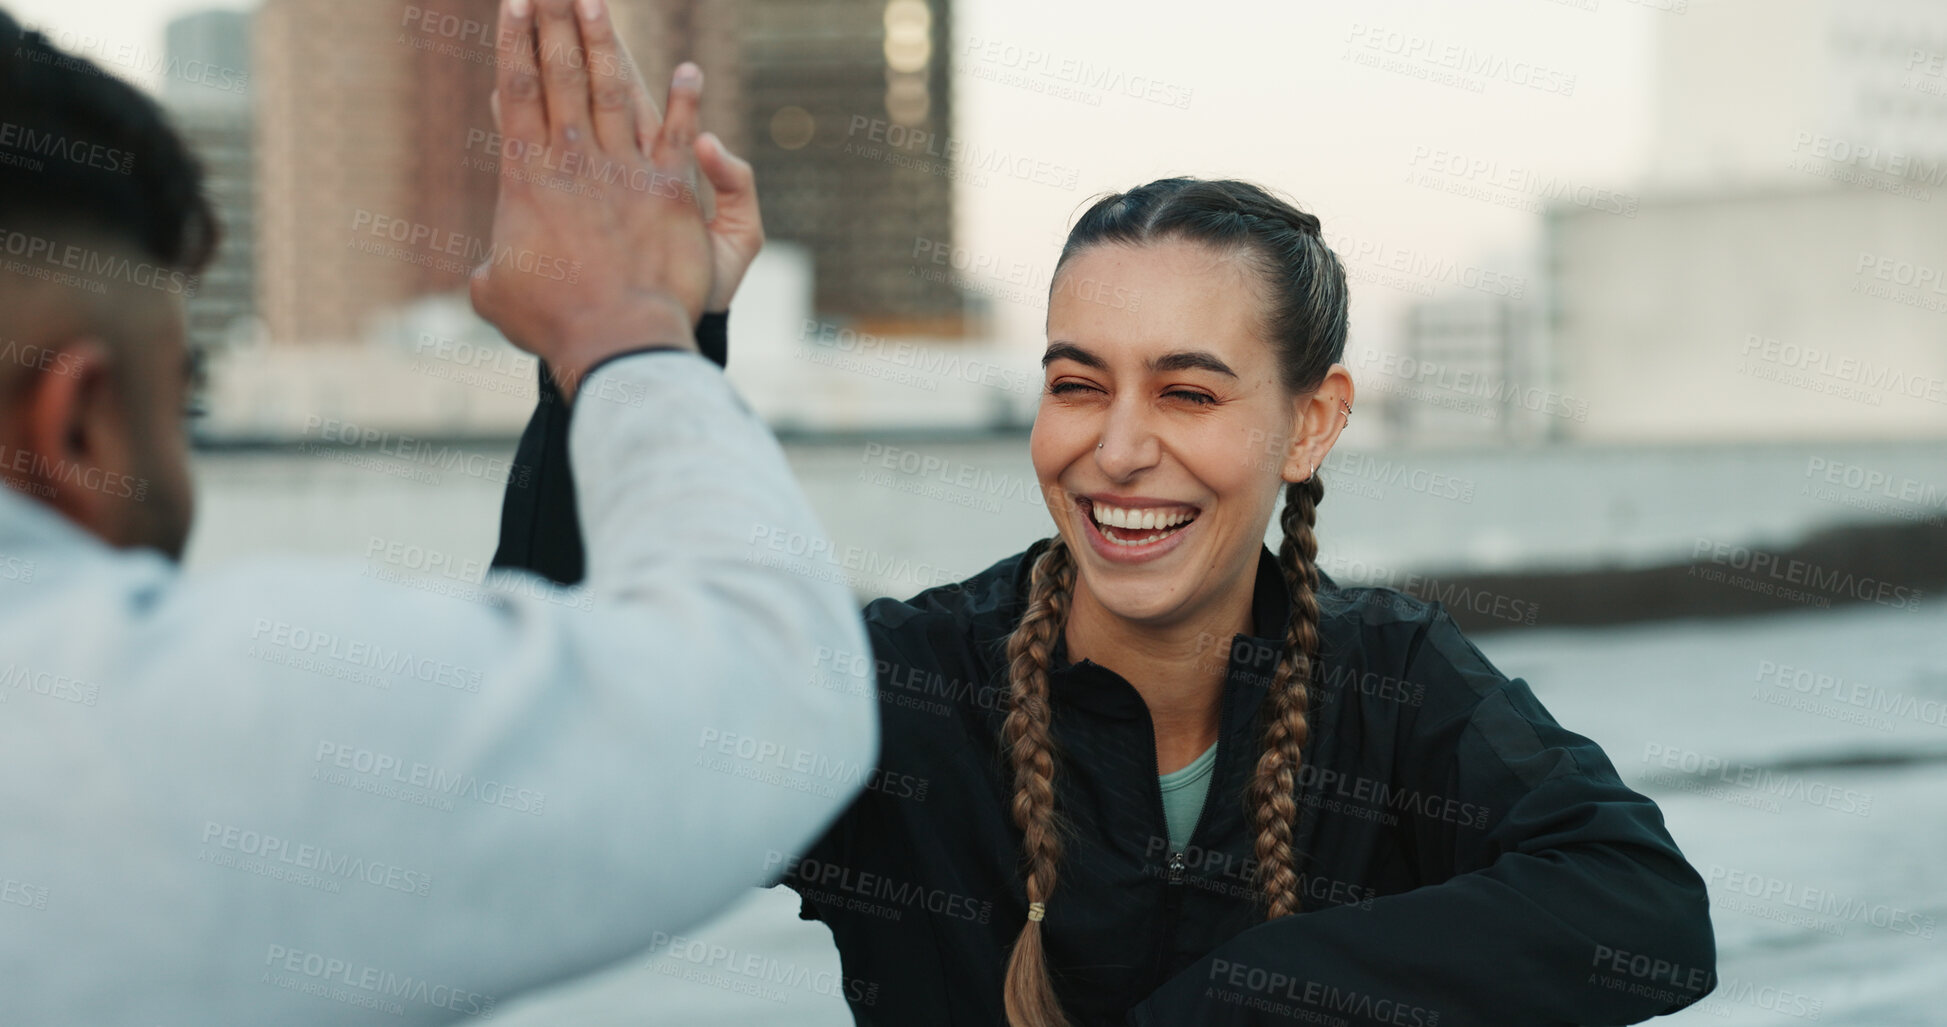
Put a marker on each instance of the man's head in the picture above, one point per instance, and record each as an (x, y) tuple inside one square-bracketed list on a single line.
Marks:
[(103, 227)]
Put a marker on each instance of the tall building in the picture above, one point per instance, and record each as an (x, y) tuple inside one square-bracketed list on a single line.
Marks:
[(207, 59), (850, 128), (346, 140), (1757, 92), (376, 153), (1785, 276), (664, 33), (208, 94)]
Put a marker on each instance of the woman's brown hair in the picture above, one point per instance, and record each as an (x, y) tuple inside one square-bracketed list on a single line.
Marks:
[(1305, 321)]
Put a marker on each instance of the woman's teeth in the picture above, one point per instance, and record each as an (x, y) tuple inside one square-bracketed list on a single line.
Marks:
[(1156, 522)]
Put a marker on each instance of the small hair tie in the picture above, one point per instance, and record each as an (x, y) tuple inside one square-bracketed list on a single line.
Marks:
[(1037, 911)]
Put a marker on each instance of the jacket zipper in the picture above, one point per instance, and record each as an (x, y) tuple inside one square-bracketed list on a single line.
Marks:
[(1203, 811), (1177, 865)]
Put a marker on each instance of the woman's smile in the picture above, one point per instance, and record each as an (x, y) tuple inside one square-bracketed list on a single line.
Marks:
[(1134, 530)]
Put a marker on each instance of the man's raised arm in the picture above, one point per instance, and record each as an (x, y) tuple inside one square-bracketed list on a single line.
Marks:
[(301, 793)]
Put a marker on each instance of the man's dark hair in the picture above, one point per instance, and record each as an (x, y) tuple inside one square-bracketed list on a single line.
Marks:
[(83, 153)]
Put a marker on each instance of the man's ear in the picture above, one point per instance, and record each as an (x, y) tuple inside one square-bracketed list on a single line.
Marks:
[(71, 422)]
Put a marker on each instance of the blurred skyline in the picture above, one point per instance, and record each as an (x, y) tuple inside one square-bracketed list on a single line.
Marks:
[(1272, 96), (1617, 221)]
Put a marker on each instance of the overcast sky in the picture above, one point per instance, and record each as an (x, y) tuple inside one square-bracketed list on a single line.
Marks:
[(1285, 93)]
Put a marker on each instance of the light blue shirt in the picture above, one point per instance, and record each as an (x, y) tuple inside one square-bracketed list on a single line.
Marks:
[(1183, 794), (227, 790)]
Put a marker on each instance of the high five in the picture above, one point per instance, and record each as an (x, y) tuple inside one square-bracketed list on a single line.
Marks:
[(193, 870)]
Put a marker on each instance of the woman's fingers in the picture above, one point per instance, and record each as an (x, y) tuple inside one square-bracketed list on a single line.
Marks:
[(737, 229), (730, 175), (675, 145), (522, 113), (564, 71), (610, 81), (648, 116)]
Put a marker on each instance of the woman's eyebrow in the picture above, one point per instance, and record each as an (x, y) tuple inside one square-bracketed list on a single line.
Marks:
[(1183, 360), (1070, 351)]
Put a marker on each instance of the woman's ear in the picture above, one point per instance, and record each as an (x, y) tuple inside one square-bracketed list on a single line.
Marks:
[(1317, 419)]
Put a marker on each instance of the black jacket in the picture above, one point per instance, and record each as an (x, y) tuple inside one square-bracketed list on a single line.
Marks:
[(540, 525), (1465, 859)]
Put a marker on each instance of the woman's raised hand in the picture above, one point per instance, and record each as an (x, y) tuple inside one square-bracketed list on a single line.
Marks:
[(737, 229), (611, 252)]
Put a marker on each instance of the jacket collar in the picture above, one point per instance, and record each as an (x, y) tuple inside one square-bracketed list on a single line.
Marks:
[(1092, 687), (28, 525)]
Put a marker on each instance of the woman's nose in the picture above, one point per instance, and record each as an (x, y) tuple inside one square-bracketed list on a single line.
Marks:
[(1128, 444)]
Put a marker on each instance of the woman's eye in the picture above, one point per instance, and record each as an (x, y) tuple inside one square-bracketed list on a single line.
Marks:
[(1199, 398), (1059, 388)]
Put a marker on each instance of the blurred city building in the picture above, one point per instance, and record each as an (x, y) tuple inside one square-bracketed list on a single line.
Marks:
[(360, 197), (1468, 373), (364, 130), (850, 124), (1776, 92), (1785, 275), (378, 158), (211, 99)]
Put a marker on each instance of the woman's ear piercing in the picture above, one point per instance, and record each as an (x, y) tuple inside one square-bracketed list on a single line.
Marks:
[(1098, 445), (1348, 411)]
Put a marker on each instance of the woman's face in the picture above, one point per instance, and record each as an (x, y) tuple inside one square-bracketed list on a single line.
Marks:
[(1154, 353)]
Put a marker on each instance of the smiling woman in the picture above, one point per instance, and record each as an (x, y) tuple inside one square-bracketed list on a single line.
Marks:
[(1188, 404), (1172, 778)]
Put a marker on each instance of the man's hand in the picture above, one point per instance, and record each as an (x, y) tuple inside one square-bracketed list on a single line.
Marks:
[(614, 255)]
